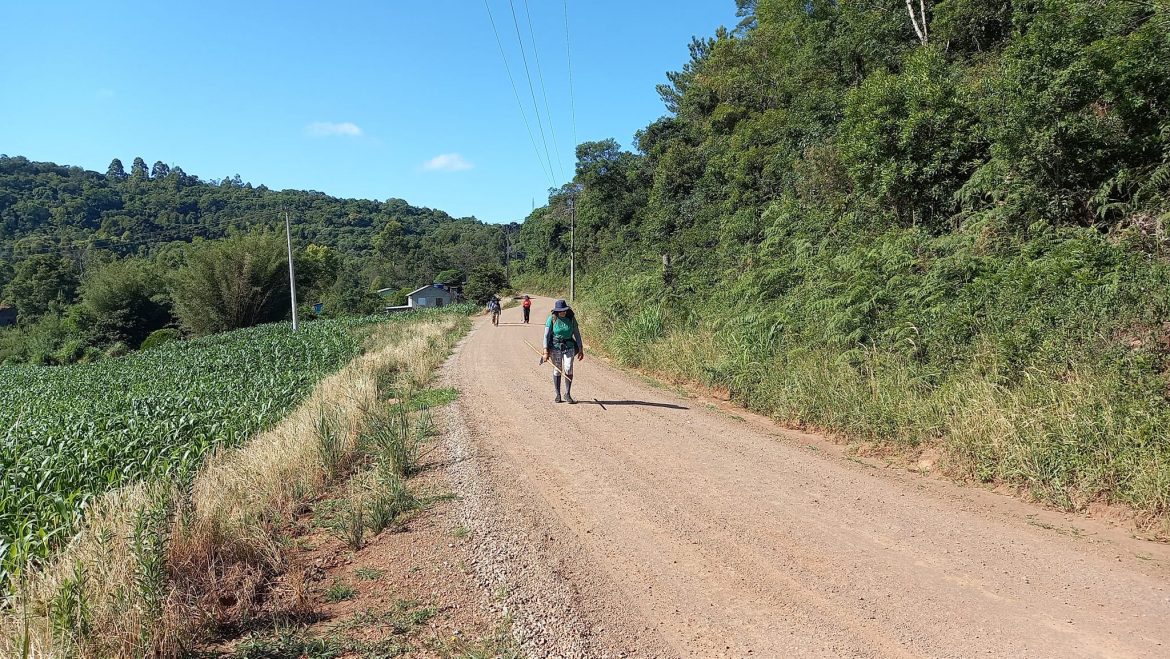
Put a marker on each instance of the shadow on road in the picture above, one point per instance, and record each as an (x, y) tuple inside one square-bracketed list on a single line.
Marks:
[(641, 403)]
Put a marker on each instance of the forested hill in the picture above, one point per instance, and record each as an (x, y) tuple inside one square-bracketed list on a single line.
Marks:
[(47, 208), (941, 223), (95, 264)]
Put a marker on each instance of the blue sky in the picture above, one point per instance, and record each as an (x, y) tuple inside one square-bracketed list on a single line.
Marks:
[(371, 99)]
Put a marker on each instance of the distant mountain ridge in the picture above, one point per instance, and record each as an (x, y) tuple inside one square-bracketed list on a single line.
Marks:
[(49, 207)]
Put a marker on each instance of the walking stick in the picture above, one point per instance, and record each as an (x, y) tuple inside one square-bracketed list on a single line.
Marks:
[(555, 365)]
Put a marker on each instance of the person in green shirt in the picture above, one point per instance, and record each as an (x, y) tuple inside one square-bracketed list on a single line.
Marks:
[(562, 344)]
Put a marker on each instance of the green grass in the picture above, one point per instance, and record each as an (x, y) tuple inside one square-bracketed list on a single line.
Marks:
[(369, 573), (339, 591)]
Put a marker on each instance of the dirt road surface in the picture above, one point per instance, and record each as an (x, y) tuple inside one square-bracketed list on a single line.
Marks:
[(642, 523)]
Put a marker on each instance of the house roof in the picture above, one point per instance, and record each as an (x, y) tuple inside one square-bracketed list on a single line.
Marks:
[(423, 288)]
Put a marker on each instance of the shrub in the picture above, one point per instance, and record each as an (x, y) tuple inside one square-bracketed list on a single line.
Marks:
[(161, 337)]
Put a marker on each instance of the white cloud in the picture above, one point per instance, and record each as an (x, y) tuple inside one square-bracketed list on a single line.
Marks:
[(330, 129), (447, 162)]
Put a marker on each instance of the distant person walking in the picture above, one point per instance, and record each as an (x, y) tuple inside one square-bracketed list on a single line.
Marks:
[(562, 344), (527, 304), (494, 309)]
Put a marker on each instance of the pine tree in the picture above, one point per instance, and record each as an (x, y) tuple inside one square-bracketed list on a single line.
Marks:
[(138, 169), (116, 171)]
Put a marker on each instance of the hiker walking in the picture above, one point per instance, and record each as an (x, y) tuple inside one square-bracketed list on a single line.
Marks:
[(494, 309), (527, 304), (562, 344)]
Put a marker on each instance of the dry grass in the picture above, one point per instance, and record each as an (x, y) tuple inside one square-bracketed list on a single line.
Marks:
[(154, 567)]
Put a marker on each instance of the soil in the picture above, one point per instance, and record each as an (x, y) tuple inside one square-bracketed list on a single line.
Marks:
[(641, 522), (410, 588)]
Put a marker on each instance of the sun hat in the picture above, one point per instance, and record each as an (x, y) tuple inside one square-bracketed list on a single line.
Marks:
[(560, 306)]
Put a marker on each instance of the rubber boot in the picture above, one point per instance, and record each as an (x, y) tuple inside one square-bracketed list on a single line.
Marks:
[(569, 390), (557, 385)]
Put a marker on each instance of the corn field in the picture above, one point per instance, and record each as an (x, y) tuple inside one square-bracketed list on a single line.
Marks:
[(68, 434)]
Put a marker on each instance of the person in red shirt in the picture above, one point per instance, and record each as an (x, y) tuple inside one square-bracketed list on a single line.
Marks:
[(527, 304)]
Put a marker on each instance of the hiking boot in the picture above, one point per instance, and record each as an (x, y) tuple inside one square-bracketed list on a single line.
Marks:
[(558, 399), (569, 399)]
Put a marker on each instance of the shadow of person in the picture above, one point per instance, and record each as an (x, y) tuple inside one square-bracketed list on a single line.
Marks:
[(641, 403)]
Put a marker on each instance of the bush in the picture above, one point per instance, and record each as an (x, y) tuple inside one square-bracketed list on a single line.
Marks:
[(161, 337), (70, 352), (125, 301)]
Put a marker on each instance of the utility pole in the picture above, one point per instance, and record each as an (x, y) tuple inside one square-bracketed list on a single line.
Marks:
[(292, 271)]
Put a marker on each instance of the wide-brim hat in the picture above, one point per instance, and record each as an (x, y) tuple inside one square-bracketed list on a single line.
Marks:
[(560, 306)]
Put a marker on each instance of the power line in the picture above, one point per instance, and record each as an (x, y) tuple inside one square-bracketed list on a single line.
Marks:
[(572, 100), (516, 93), (531, 88), (544, 90)]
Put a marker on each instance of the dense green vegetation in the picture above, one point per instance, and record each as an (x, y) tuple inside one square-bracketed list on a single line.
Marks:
[(70, 433), (957, 238), (95, 262)]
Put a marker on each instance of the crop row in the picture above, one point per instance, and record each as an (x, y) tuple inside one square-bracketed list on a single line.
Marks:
[(68, 434)]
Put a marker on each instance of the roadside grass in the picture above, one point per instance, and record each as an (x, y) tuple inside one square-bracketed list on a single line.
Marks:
[(156, 567), (369, 573), (339, 591)]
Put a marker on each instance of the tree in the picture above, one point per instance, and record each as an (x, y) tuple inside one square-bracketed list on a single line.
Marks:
[(138, 169), (918, 21), (41, 283), (351, 295), (449, 277), (116, 171), (125, 301), (232, 283), (485, 281), (6, 273), (160, 170), (317, 268)]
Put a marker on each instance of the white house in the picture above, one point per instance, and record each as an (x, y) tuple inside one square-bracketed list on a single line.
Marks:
[(427, 297)]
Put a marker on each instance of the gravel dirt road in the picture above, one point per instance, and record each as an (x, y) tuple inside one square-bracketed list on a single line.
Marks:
[(642, 523)]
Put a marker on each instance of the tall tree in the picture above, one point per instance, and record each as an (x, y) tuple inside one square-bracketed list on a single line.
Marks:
[(41, 283), (115, 170), (138, 169), (160, 170)]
